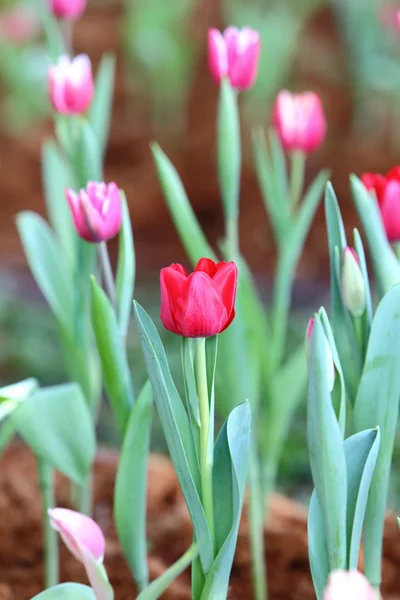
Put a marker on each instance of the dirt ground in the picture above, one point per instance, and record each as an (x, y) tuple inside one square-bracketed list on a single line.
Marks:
[(169, 534)]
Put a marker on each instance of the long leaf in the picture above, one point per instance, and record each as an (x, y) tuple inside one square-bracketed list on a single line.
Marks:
[(327, 460), (114, 362), (377, 404), (48, 264), (100, 110), (232, 450), (56, 423), (317, 548), (67, 591), (176, 430), (126, 270), (130, 487)]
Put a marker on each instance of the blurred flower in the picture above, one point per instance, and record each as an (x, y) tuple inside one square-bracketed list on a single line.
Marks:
[(348, 585), (387, 192), (80, 533), (71, 86), (234, 54), (353, 287), (328, 353), (19, 25), (68, 9), (300, 121), (96, 211), (201, 304)]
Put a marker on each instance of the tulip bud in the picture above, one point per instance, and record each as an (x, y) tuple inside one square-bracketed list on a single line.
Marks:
[(353, 287), (328, 353), (80, 533), (201, 304), (348, 585), (71, 85), (299, 121), (96, 211), (234, 54), (67, 9)]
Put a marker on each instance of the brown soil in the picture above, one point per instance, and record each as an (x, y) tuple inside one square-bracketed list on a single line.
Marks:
[(169, 533)]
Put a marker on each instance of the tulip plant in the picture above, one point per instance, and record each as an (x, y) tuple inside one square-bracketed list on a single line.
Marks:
[(233, 350)]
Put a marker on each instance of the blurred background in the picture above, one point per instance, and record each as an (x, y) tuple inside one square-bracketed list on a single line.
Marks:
[(346, 50)]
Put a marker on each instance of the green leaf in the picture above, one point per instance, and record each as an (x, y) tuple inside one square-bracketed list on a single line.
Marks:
[(189, 230), (359, 248), (18, 391), (377, 405), (176, 429), (7, 431), (101, 107), (57, 425), (317, 550), (229, 150), (361, 451), (114, 362), (57, 176), (125, 270), (86, 157), (279, 170), (157, 587), (232, 456), (67, 591), (130, 500), (386, 266), (48, 264), (327, 460)]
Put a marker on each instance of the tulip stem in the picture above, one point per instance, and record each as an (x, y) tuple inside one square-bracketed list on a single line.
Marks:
[(109, 283), (50, 541), (206, 457), (297, 169)]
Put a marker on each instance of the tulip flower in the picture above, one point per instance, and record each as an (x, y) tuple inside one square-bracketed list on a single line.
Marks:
[(387, 192), (96, 211), (71, 86), (79, 533), (328, 354), (67, 9), (299, 120), (348, 585), (18, 25), (201, 304), (234, 54), (353, 287)]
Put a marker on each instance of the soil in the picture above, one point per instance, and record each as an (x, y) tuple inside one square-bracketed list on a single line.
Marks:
[(169, 534)]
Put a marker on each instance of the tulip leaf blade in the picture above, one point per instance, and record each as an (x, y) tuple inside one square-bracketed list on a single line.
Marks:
[(126, 270), (377, 405), (48, 264), (62, 412), (130, 500), (176, 429), (67, 591), (101, 107), (231, 455), (317, 550), (113, 357)]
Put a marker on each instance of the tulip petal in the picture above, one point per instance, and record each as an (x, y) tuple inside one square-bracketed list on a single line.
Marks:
[(78, 531), (225, 280), (173, 281), (206, 265), (201, 312), (390, 211), (217, 55)]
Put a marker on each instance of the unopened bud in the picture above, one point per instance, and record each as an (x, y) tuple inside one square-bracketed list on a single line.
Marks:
[(353, 287), (328, 354)]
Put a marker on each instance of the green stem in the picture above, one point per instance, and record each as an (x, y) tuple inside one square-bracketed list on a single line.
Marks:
[(206, 458), (298, 161), (280, 307), (256, 522), (50, 541), (109, 283)]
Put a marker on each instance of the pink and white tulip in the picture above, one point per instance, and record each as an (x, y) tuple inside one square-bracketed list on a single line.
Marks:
[(71, 85), (67, 9), (96, 211), (80, 533), (234, 54), (348, 585), (299, 120)]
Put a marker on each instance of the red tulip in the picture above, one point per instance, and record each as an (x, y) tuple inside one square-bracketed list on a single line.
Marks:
[(201, 304), (387, 192)]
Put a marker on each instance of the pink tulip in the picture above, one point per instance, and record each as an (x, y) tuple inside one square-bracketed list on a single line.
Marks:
[(80, 533), (67, 9), (348, 585), (18, 26), (300, 121), (71, 86), (235, 55), (96, 211)]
